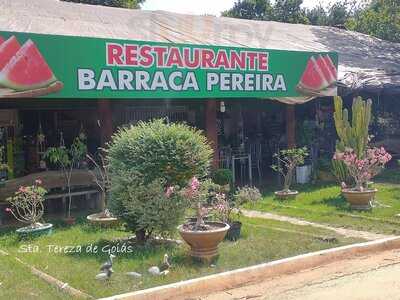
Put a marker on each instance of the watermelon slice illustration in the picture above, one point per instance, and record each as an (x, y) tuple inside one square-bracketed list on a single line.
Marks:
[(331, 66), (27, 70), (8, 50), (326, 70), (313, 78), (1, 40)]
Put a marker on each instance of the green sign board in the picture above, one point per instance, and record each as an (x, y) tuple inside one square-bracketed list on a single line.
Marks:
[(51, 66)]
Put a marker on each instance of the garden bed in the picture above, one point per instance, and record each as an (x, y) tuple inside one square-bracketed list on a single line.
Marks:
[(324, 204), (262, 241)]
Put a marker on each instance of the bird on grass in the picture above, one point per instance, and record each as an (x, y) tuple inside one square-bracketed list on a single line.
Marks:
[(105, 276), (163, 269), (108, 264)]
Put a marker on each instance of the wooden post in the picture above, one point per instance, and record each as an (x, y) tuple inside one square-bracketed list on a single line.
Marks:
[(105, 118), (291, 126), (211, 128)]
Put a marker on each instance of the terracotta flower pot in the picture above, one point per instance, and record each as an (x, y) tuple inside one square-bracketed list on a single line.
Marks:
[(204, 244), (283, 195), (70, 220), (359, 200)]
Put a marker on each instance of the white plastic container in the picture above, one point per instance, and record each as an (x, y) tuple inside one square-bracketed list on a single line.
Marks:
[(303, 174)]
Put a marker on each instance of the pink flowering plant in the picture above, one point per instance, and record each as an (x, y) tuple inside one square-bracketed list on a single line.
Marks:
[(27, 204), (362, 170), (201, 196), (226, 209)]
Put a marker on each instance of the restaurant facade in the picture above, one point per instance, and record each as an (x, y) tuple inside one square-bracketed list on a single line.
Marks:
[(55, 88)]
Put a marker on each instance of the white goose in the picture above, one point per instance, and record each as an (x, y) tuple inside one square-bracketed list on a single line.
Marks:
[(163, 269), (104, 276)]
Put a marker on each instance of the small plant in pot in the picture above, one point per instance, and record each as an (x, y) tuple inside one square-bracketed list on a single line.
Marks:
[(287, 161), (228, 208), (362, 170), (229, 213), (101, 177), (68, 159), (27, 207), (202, 236)]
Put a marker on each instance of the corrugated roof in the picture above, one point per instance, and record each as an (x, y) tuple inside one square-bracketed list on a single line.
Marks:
[(364, 61)]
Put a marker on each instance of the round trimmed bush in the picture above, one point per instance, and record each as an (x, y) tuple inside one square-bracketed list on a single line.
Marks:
[(146, 159)]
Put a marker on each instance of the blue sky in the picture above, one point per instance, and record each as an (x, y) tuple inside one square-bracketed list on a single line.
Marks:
[(199, 7)]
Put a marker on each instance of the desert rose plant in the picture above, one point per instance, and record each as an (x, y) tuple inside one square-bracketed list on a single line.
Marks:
[(201, 196), (27, 204), (364, 169), (287, 161), (227, 209)]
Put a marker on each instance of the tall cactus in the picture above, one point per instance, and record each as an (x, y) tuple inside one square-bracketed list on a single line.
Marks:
[(354, 135)]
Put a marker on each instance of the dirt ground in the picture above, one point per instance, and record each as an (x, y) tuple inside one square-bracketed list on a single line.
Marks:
[(371, 277)]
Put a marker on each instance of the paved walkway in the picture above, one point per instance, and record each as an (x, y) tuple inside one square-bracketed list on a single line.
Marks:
[(372, 277), (339, 230)]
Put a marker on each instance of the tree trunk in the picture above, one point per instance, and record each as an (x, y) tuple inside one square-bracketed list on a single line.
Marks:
[(141, 236), (103, 202), (200, 221)]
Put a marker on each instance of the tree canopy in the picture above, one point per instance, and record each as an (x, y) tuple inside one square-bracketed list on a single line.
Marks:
[(379, 18), (134, 4), (288, 11)]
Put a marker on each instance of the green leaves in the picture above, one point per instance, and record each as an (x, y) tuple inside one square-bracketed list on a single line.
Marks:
[(380, 19), (67, 157), (287, 161), (134, 4), (172, 152)]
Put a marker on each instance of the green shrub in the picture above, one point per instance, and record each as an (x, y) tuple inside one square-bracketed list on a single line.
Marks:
[(146, 208), (144, 161), (222, 176), (173, 152)]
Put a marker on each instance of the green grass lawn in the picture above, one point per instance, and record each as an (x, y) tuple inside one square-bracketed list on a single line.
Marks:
[(262, 241), (323, 203), (16, 282)]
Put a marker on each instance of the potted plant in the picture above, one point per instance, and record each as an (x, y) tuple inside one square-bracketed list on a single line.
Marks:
[(287, 161), (27, 207), (362, 170), (228, 208), (352, 132), (101, 177), (228, 212), (203, 237), (68, 160)]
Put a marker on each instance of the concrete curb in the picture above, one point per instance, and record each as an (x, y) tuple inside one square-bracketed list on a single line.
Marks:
[(235, 278)]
